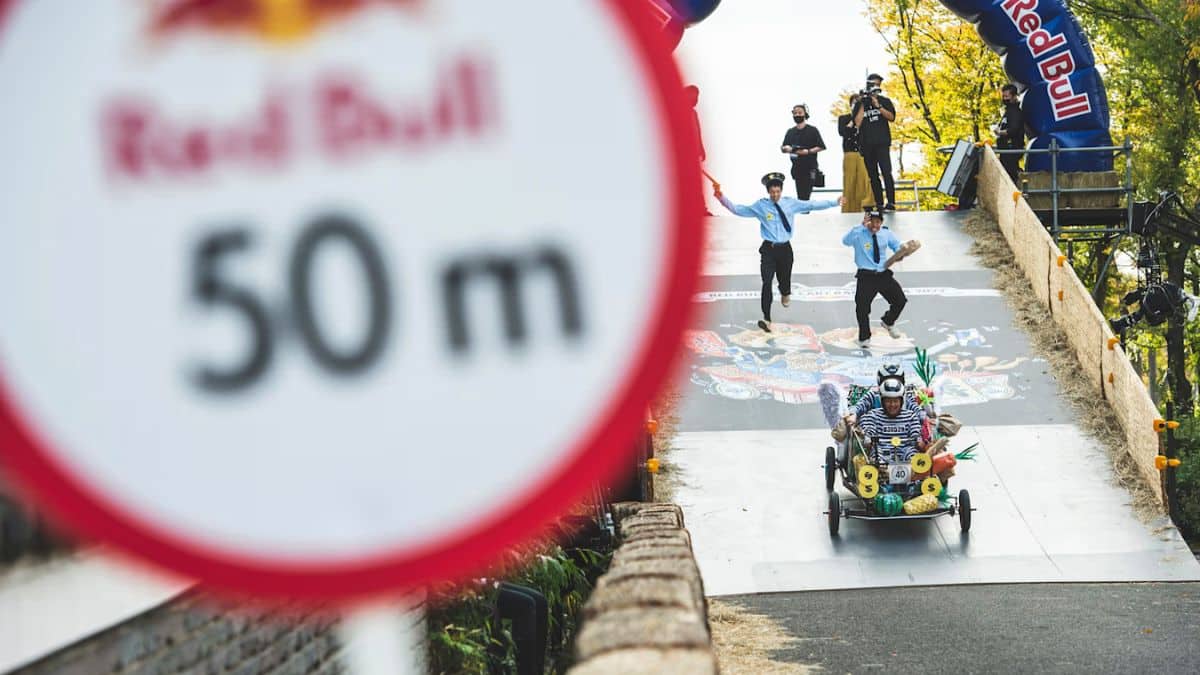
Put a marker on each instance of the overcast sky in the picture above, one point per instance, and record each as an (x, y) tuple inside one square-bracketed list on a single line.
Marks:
[(753, 60)]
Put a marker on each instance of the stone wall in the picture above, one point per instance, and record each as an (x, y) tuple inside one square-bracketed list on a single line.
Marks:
[(648, 613), (192, 637)]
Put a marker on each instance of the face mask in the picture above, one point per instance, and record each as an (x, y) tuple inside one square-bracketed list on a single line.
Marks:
[(798, 118)]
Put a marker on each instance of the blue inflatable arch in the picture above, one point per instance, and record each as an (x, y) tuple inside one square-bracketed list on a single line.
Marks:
[(1044, 52)]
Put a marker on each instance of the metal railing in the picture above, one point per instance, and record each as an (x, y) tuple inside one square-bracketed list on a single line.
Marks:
[(1088, 233), (1055, 191), (905, 184)]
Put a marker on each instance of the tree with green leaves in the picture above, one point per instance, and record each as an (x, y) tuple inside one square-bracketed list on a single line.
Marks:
[(1150, 53), (944, 80)]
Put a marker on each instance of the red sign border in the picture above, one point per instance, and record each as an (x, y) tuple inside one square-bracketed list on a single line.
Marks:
[(603, 455)]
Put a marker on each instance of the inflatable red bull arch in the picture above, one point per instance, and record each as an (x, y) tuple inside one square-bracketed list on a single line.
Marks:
[(1045, 53)]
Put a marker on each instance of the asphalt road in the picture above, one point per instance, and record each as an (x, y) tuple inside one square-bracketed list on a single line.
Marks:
[(1021, 628)]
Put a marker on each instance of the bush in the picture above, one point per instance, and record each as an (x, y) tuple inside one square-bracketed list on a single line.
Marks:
[(462, 634), (1187, 480)]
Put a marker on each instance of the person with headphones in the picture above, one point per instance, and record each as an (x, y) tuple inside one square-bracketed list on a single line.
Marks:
[(802, 142)]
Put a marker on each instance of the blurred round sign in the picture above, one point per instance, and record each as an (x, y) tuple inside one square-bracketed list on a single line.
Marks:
[(321, 299)]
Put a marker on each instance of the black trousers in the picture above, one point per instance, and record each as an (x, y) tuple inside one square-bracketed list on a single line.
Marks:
[(775, 263), (804, 181), (878, 159), (1012, 164), (869, 285)]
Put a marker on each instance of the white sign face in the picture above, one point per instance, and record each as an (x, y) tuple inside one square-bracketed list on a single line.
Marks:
[(323, 303), (899, 474)]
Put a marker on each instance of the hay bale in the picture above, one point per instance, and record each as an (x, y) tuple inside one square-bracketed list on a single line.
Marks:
[(640, 593), (1094, 200), (656, 627), (683, 569), (1129, 441), (623, 510), (664, 518), (1076, 200), (650, 551), (642, 661), (664, 537)]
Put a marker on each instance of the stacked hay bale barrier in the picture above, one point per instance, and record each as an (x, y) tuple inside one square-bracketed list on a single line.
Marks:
[(1074, 200), (1067, 300), (648, 613)]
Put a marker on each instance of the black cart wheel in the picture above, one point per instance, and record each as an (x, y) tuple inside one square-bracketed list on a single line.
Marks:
[(835, 513), (830, 467), (964, 510)]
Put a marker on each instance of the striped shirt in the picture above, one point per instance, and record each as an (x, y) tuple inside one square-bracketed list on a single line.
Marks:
[(872, 400), (905, 426)]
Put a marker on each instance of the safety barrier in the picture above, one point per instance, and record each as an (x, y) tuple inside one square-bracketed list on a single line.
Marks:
[(1056, 286)]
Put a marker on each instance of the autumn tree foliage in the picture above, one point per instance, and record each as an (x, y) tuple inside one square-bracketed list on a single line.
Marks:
[(944, 80)]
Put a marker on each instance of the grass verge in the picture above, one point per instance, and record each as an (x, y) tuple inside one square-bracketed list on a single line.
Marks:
[(744, 642)]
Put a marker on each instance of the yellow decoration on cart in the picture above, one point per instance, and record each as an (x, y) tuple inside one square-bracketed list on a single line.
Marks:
[(931, 486), (868, 474), (868, 490), (895, 441), (859, 461), (919, 505), (921, 463)]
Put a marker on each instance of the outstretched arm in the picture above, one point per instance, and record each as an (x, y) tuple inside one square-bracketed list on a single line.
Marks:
[(736, 209), (805, 206), (864, 405)]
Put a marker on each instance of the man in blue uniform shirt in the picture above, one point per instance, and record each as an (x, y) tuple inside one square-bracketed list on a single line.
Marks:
[(869, 240), (774, 213)]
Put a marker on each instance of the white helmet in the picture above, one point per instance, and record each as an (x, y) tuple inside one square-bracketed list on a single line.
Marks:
[(889, 370), (891, 387)]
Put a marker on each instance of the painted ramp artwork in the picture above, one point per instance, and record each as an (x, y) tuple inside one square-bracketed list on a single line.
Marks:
[(979, 362), (789, 364)]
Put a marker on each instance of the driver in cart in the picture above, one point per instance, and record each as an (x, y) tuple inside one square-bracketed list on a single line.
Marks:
[(872, 399), (894, 426)]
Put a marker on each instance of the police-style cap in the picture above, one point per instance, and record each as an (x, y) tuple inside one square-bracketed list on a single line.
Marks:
[(875, 213), (773, 177)]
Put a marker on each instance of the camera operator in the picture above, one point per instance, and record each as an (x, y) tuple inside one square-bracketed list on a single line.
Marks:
[(856, 188), (1010, 131), (873, 115), (803, 142)]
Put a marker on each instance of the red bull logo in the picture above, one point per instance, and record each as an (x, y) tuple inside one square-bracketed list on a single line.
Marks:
[(340, 114), (279, 21)]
